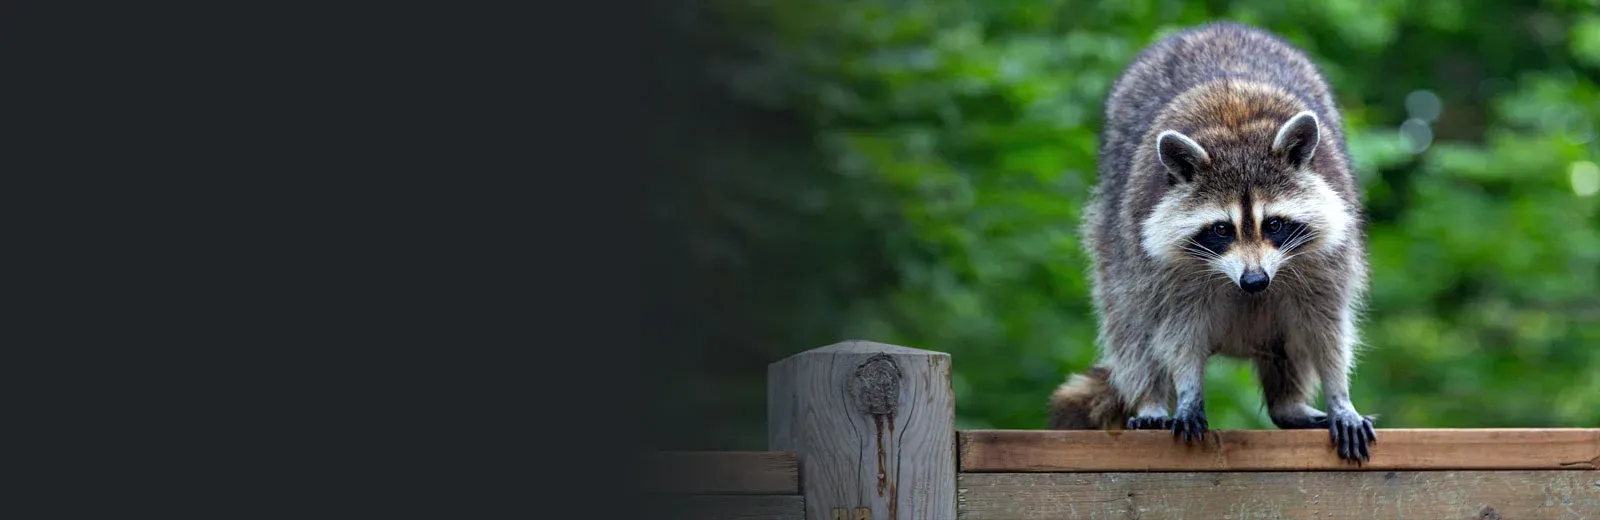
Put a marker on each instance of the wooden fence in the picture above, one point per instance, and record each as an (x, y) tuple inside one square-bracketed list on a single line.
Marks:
[(862, 431)]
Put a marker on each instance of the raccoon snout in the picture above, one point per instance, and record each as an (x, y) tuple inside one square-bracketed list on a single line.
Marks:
[(1254, 280)]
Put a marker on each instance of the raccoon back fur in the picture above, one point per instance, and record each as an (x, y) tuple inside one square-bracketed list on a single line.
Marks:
[(1225, 221)]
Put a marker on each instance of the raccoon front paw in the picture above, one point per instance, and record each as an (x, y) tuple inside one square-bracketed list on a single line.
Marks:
[(1352, 435), (1149, 422), (1190, 426)]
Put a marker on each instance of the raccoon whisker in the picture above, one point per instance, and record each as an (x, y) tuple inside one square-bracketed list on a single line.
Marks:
[(1299, 239), (1290, 252), (1303, 241), (1199, 250), (1296, 272), (1302, 232), (1196, 271), (1213, 278), (1200, 272)]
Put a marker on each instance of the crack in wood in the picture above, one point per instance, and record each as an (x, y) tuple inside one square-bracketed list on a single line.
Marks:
[(1593, 463), (877, 393)]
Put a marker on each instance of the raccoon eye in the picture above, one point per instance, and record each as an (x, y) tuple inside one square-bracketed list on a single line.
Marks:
[(1222, 229), (1274, 225)]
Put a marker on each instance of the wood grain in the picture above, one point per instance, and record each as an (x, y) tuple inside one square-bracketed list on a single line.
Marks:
[(1430, 495), (728, 507), (1276, 450), (873, 427), (725, 472)]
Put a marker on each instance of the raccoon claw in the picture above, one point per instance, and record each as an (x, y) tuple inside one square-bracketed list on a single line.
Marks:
[(1149, 423), (1189, 427), (1352, 436)]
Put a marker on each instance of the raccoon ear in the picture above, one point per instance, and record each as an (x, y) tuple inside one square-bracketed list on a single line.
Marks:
[(1298, 138), (1181, 155)]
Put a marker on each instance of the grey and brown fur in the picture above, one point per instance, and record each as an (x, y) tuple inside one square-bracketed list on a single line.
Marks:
[(1226, 221)]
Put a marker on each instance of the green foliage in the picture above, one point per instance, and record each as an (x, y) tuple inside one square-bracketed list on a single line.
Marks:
[(964, 136)]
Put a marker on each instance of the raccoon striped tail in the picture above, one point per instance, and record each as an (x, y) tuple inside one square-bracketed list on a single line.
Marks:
[(1087, 402)]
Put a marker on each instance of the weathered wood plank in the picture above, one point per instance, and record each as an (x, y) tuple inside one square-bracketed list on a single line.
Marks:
[(1549, 494), (725, 472), (873, 427), (1276, 450), (730, 507)]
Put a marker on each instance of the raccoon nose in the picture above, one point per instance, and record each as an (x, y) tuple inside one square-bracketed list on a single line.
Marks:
[(1253, 281)]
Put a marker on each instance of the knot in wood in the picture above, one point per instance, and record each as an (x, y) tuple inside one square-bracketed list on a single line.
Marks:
[(877, 385)]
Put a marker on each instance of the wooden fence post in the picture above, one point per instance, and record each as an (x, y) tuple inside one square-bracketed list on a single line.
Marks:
[(872, 427)]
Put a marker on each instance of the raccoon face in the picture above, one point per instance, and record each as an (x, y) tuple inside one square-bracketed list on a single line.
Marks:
[(1251, 246), (1250, 214)]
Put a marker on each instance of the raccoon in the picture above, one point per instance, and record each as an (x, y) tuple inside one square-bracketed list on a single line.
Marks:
[(1225, 221)]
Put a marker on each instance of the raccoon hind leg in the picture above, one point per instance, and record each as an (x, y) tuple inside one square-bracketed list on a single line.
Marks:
[(1286, 383), (1146, 389), (1152, 412), (1184, 363)]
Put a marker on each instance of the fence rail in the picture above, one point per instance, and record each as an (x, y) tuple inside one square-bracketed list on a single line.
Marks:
[(862, 431), (1277, 450), (727, 485)]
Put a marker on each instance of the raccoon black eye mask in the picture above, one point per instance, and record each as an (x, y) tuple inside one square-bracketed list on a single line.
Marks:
[(1282, 231), (1215, 238)]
